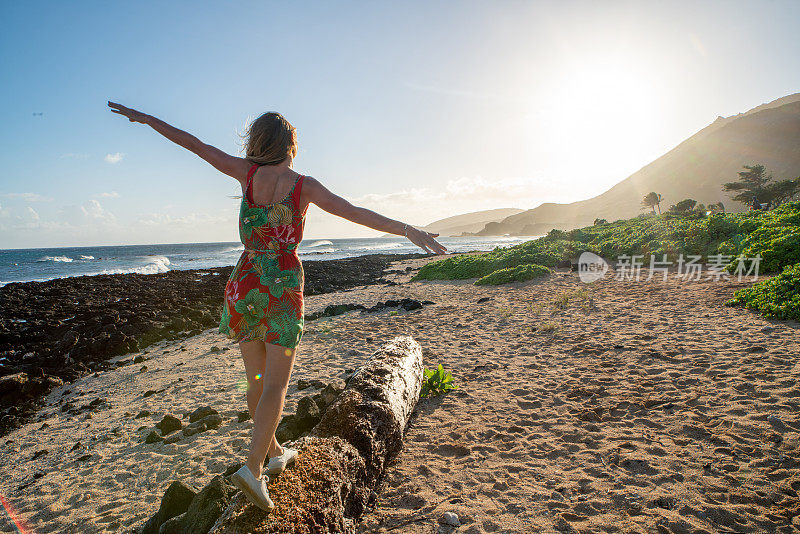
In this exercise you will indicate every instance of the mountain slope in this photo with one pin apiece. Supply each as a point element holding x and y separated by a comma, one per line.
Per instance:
<point>768,134</point>
<point>466,222</point>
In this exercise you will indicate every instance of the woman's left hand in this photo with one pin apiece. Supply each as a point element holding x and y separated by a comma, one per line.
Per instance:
<point>132,114</point>
<point>425,240</point>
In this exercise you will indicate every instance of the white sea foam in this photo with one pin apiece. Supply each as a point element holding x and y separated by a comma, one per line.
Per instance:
<point>157,264</point>
<point>63,259</point>
<point>383,246</point>
<point>86,257</point>
<point>319,243</point>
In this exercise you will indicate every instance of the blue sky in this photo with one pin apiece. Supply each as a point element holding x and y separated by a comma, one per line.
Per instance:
<point>418,110</point>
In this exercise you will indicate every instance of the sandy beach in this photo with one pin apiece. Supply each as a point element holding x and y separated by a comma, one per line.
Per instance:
<point>618,406</point>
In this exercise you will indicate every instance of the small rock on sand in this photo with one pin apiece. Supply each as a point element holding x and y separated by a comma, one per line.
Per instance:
<point>200,413</point>
<point>449,518</point>
<point>169,423</point>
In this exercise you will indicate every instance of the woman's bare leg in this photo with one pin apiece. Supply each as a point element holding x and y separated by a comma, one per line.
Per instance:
<point>277,366</point>
<point>254,355</point>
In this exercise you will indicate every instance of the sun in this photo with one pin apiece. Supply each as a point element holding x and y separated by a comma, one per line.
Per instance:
<point>595,112</point>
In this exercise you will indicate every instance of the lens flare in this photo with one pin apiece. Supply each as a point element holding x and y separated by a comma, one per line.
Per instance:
<point>20,523</point>
<point>258,377</point>
<point>288,352</point>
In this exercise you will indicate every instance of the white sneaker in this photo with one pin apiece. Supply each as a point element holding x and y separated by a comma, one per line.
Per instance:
<point>277,464</point>
<point>254,489</point>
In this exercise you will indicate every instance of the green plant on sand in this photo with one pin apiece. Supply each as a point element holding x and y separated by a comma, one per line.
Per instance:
<point>436,381</point>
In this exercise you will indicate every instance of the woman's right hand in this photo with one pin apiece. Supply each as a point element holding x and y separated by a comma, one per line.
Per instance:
<point>131,114</point>
<point>425,240</point>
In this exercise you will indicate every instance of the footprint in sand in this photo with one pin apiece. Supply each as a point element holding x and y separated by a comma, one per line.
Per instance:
<point>451,449</point>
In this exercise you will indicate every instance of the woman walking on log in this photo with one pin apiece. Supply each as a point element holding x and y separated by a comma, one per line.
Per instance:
<point>263,308</point>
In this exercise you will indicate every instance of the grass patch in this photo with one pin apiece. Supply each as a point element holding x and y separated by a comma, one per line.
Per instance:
<point>520,273</point>
<point>546,327</point>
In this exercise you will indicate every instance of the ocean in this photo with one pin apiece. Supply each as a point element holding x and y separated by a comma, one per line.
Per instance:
<point>39,264</point>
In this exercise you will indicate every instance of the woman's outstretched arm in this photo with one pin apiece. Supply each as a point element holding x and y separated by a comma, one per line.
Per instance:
<point>225,163</point>
<point>322,197</point>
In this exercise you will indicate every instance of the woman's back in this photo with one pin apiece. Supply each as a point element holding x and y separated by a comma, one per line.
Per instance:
<point>271,184</point>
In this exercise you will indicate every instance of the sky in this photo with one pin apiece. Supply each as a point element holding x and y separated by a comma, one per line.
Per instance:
<point>416,110</point>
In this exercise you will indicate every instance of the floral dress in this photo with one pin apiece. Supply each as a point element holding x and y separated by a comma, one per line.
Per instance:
<point>264,293</point>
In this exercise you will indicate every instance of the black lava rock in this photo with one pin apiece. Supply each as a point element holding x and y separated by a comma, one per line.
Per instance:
<point>62,329</point>
<point>204,509</point>
<point>176,501</point>
<point>201,412</point>
<point>169,423</point>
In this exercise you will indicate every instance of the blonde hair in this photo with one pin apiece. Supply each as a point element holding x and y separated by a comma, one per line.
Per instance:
<point>270,139</point>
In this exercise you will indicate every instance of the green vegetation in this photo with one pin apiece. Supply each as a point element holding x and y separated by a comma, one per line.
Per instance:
<point>686,229</point>
<point>773,234</point>
<point>688,207</point>
<point>519,273</point>
<point>777,297</point>
<point>436,382</point>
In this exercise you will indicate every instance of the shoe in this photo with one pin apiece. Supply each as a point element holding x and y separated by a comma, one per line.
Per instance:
<point>277,464</point>
<point>254,489</point>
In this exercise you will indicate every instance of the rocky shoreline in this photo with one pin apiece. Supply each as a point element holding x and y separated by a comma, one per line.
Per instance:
<point>56,331</point>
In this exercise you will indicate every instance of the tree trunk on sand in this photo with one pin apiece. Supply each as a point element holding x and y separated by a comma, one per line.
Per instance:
<point>341,461</point>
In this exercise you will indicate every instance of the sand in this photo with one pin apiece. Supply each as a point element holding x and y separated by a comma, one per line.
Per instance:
<point>618,406</point>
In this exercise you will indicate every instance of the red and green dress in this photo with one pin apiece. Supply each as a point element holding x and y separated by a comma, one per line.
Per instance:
<point>264,293</point>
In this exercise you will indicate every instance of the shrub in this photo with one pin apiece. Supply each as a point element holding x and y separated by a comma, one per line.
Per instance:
<point>456,268</point>
<point>775,236</point>
<point>520,273</point>
<point>436,382</point>
<point>777,297</point>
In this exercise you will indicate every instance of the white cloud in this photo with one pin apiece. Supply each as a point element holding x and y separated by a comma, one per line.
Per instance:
<point>4,212</point>
<point>109,194</point>
<point>89,213</point>
<point>29,220</point>
<point>114,158</point>
<point>28,197</point>
<point>499,192</point>
<point>192,219</point>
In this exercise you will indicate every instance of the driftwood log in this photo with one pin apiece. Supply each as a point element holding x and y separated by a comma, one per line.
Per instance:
<point>344,457</point>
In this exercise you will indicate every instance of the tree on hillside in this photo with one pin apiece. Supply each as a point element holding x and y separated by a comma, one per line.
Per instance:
<point>683,207</point>
<point>783,191</point>
<point>751,186</point>
<point>755,188</point>
<point>651,200</point>
<point>719,207</point>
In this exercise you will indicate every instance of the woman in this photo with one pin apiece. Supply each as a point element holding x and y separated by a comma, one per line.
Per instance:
<point>263,308</point>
